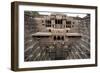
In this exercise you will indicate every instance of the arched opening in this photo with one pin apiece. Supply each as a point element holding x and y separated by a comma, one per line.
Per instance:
<point>49,30</point>
<point>58,38</point>
<point>66,30</point>
<point>62,37</point>
<point>54,38</point>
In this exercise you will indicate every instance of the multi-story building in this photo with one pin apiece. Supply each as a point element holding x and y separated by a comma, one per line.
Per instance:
<point>57,28</point>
